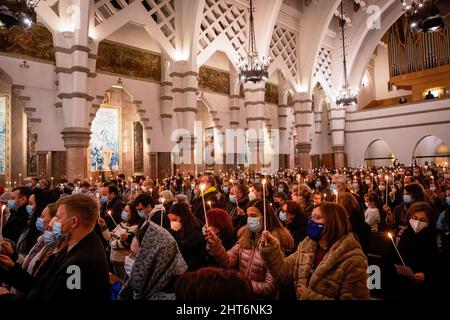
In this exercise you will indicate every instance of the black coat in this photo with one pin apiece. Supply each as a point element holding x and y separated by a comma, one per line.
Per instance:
<point>297,228</point>
<point>197,205</point>
<point>192,248</point>
<point>116,206</point>
<point>51,284</point>
<point>237,220</point>
<point>16,224</point>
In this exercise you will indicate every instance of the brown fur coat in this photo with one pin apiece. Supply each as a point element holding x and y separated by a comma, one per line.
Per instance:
<point>342,274</point>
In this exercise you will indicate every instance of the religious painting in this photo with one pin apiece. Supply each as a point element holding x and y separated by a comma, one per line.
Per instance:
<point>105,141</point>
<point>123,60</point>
<point>2,135</point>
<point>271,95</point>
<point>214,80</point>
<point>209,149</point>
<point>31,153</point>
<point>36,42</point>
<point>138,147</point>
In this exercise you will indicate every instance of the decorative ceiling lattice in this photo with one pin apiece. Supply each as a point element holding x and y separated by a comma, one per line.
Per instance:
<point>222,17</point>
<point>105,9</point>
<point>284,43</point>
<point>323,64</point>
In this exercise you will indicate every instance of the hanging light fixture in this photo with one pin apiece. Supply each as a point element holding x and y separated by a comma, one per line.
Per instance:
<point>252,68</point>
<point>345,97</point>
<point>18,14</point>
<point>423,15</point>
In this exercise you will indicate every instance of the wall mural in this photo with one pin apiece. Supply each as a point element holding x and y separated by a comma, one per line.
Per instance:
<point>105,140</point>
<point>119,59</point>
<point>2,135</point>
<point>271,95</point>
<point>214,80</point>
<point>138,147</point>
<point>36,42</point>
<point>31,153</point>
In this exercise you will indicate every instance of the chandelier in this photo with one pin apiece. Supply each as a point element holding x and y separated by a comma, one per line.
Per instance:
<point>251,68</point>
<point>18,14</point>
<point>423,15</point>
<point>346,96</point>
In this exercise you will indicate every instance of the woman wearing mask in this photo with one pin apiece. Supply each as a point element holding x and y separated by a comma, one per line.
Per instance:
<point>155,266</point>
<point>397,218</point>
<point>328,264</point>
<point>372,213</point>
<point>357,188</point>
<point>295,219</point>
<point>120,238</point>
<point>255,191</point>
<point>188,233</point>
<point>36,204</point>
<point>443,226</point>
<point>245,256</point>
<point>323,187</point>
<point>418,248</point>
<point>304,199</point>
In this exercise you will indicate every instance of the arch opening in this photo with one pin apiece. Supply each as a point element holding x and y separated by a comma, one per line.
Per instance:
<point>379,153</point>
<point>431,149</point>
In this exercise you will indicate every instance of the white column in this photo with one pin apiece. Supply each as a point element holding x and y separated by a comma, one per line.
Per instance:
<point>302,103</point>
<point>337,122</point>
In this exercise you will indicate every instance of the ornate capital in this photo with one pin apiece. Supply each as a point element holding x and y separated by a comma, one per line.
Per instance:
<point>76,137</point>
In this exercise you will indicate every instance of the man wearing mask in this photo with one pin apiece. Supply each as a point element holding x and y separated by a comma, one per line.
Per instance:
<point>111,202</point>
<point>279,198</point>
<point>18,218</point>
<point>255,192</point>
<point>147,210</point>
<point>210,194</point>
<point>79,271</point>
<point>237,206</point>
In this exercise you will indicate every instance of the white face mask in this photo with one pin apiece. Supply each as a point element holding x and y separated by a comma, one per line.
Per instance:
<point>251,196</point>
<point>129,262</point>
<point>175,225</point>
<point>417,225</point>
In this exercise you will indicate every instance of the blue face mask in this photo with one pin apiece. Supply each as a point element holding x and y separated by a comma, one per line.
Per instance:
<point>225,190</point>
<point>57,230</point>
<point>12,204</point>
<point>124,216</point>
<point>333,186</point>
<point>232,198</point>
<point>354,185</point>
<point>407,198</point>
<point>40,224</point>
<point>318,185</point>
<point>254,224</point>
<point>280,189</point>
<point>447,199</point>
<point>103,199</point>
<point>282,216</point>
<point>30,210</point>
<point>48,237</point>
<point>141,214</point>
<point>314,230</point>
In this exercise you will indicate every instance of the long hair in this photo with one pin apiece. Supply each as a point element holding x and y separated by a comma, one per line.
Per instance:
<point>337,223</point>
<point>188,221</point>
<point>248,239</point>
<point>221,220</point>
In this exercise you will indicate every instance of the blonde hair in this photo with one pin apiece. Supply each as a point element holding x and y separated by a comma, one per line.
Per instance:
<point>83,207</point>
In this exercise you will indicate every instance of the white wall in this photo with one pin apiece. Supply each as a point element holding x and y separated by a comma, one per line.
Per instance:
<point>219,60</point>
<point>428,146</point>
<point>134,36</point>
<point>401,128</point>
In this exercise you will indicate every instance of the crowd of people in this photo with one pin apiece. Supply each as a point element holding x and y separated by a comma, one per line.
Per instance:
<point>296,234</point>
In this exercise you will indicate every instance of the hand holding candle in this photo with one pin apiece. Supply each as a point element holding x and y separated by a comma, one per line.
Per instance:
<point>110,214</point>
<point>202,189</point>
<point>1,223</point>
<point>396,249</point>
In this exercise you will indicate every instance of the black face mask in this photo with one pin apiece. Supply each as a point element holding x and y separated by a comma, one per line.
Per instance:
<point>276,205</point>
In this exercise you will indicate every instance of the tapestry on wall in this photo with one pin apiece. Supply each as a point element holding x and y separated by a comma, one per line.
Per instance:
<point>122,60</point>
<point>214,80</point>
<point>36,42</point>
<point>2,135</point>
<point>31,153</point>
<point>209,149</point>
<point>105,140</point>
<point>138,147</point>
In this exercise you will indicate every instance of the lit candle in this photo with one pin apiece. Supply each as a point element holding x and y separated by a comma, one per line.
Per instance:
<point>387,183</point>
<point>1,224</point>
<point>336,193</point>
<point>396,249</point>
<point>20,179</point>
<point>110,214</point>
<point>298,190</point>
<point>52,182</point>
<point>202,188</point>
<point>264,205</point>
<point>209,203</point>
<point>162,211</point>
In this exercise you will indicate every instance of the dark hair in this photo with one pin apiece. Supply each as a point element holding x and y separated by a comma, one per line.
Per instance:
<point>221,220</point>
<point>213,284</point>
<point>425,207</point>
<point>294,208</point>
<point>113,189</point>
<point>141,233</point>
<point>281,195</point>
<point>240,187</point>
<point>188,221</point>
<point>23,192</point>
<point>323,182</point>
<point>145,200</point>
<point>337,223</point>
<point>134,217</point>
<point>416,192</point>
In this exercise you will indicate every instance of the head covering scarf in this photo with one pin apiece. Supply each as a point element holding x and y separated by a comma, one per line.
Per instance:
<point>157,262</point>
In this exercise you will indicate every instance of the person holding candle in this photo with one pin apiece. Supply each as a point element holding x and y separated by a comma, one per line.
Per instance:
<point>372,214</point>
<point>209,193</point>
<point>295,219</point>
<point>121,236</point>
<point>237,206</point>
<point>110,201</point>
<point>328,264</point>
<point>323,186</point>
<point>148,211</point>
<point>244,255</point>
<point>187,231</point>
<point>304,199</point>
<point>19,216</point>
<point>417,247</point>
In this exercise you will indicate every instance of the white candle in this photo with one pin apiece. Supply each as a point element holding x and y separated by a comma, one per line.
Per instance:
<point>209,203</point>
<point>234,188</point>
<point>396,249</point>
<point>1,224</point>
<point>202,188</point>
<point>336,193</point>
<point>162,211</point>
<point>110,214</point>
<point>264,205</point>
<point>387,183</point>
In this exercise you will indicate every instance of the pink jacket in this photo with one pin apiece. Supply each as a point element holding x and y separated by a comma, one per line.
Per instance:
<point>251,265</point>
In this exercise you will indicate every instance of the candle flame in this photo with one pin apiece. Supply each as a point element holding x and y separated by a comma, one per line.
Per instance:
<point>202,187</point>
<point>3,207</point>
<point>390,235</point>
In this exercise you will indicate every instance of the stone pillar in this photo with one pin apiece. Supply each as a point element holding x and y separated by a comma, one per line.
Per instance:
<point>254,103</point>
<point>283,89</point>
<point>76,141</point>
<point>302,104</point>
<point>337,122</point>
<point>42,164</point>
<point>166,97</point>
